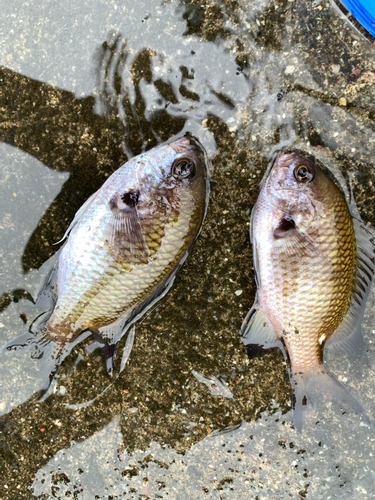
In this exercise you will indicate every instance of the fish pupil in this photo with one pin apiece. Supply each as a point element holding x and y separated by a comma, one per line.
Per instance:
<point>183,168</point>
<point>131,198</point>
<point>303,174</point>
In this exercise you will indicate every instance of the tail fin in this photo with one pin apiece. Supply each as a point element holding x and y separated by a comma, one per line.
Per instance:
<point>42,346</point>
<point>309,388</point>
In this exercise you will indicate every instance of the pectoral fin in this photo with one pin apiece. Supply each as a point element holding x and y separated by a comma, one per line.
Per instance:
<point>290,240</point>
<point>256,329</point>
<point>124,229</point>
<point>127,235</point>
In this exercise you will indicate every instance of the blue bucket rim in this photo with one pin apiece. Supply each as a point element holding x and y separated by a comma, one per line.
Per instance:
<point>362,14</point>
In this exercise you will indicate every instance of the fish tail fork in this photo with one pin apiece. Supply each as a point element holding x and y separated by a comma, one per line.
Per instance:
<point>41,347</point>
<point>310,387</point>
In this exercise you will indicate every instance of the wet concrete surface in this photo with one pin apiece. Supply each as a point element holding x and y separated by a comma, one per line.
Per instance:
<point>84,87</point>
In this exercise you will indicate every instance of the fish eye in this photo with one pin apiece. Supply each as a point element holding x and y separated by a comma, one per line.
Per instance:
<point>183,168</point>
<point>303,173</point>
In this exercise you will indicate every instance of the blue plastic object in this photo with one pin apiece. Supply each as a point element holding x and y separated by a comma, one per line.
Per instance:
<point>364,11</point>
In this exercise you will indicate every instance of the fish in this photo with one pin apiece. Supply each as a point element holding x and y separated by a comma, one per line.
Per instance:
<point>121,254</point>
<point>314,270</point>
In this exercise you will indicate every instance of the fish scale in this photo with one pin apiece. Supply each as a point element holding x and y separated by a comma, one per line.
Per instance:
<point>292,287</point>
<point>138,280</point>
<point>102,301</point>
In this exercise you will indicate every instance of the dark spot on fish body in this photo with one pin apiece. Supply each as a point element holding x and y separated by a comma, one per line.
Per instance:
<point>285,226</point>
<point>131,198</point>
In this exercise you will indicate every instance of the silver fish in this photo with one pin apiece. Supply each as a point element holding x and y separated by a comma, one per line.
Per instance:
<point>123,250</point>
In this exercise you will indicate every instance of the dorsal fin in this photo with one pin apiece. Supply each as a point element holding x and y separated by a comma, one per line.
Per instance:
<point>47,293</point>
<point>348,336</point>
<point>79,214</point>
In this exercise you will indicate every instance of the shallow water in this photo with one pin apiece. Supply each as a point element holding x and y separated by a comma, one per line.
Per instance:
<point>84,87</point>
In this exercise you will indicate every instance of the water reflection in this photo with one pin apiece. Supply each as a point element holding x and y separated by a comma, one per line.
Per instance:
<point>263,75</point>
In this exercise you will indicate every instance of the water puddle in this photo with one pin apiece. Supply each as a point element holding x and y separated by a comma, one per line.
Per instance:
<point>191,415</point>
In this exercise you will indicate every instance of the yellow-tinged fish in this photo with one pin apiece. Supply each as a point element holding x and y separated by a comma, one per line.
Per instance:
<point>314,271</point>
<point>125,245</point>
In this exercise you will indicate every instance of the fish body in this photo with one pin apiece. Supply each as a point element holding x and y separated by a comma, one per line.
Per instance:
<point>123,250</point>
<point>313,275</point>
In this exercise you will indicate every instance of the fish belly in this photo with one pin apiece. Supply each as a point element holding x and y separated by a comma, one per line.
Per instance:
<point>104,287</point>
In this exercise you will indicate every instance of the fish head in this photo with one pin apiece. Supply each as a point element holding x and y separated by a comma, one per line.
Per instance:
<point>162,178</point>
<point>161,192</point>
<point>298,187</point>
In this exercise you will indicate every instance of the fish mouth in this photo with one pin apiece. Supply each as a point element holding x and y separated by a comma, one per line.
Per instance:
<point>290,158</point>
<point>187,144</point>
<point>193,142</point>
